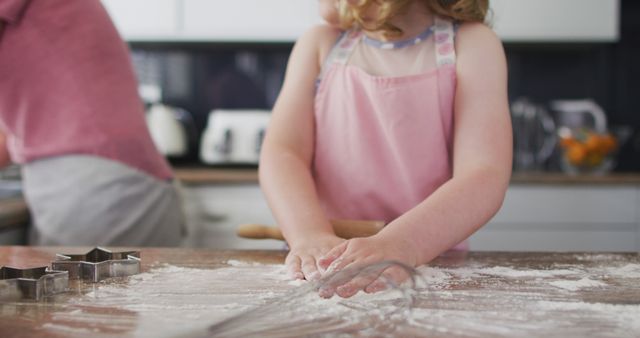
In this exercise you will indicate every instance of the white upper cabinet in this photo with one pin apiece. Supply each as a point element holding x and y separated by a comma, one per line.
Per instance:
<point>145,19</point>
<point>248,20</point>
<point>556,20</point>
<point>286,20</point>
<point>213,20</point>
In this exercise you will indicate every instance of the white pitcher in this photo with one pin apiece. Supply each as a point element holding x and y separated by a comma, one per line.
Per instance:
<point>576,114</point>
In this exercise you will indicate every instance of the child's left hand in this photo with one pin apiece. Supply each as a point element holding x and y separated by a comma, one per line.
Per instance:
<point>358,252</point>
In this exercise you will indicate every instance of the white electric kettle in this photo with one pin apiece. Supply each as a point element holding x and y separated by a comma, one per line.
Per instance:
<point>576,114</point>
<point>534,135</point>
<point>168,133</point>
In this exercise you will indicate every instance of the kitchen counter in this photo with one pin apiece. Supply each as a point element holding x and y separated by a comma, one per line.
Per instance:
<point>195,175</point>
<point>203,175</point>
<point>14,212</point>
<point>563,179</point>
<point>183,291</point>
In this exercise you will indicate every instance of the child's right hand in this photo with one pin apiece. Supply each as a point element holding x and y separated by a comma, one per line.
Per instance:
<point>303,257</point>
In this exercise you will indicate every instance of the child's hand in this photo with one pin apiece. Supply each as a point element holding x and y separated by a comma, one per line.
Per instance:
<point>360,252</point>
<point>302,260</point>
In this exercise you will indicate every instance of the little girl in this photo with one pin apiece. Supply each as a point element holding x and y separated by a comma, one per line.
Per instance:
<point>403,117</point>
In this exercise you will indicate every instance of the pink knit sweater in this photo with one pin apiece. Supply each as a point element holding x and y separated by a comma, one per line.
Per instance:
<point>67,86</point>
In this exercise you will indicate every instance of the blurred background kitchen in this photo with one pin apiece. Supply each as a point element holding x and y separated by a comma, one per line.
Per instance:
<point>210,70</point>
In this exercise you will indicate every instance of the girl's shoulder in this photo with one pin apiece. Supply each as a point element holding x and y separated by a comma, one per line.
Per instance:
<point>320,37</point>
<point>478,49</point>
<point>322,32</point>
<point>476,33</point>
<point>475,38</point>
<point>475,30</point>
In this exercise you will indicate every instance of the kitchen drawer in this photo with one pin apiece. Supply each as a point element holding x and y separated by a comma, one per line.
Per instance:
<point>534,217</point>
<point>620,238</point>
<point>215,211</point>
<point>569,204</point>
<point>564,218</point>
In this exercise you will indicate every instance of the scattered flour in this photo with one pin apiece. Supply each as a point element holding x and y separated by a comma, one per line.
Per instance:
<point>627,271</point>
<point>502,271</point>
<point>236,263</point>
<point>68,329</point>
<point>626,314</point>
<point>596,257</point>
<point>297,282</point>
<point>172,301</point>
<point>573,285</point>
<point>442,276</point>
<point>509,272</point>
<point>167,299</point>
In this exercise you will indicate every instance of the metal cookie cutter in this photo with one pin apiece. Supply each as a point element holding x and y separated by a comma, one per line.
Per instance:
<point>32,283</point>
<point>99,264</point>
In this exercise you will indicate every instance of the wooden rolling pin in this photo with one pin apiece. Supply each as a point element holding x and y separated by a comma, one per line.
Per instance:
<point>343,228</point>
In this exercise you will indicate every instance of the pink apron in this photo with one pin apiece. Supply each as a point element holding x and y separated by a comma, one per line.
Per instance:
<point>383,144</point>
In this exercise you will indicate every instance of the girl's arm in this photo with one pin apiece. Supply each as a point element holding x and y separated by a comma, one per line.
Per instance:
<point>287,152</point>
<point>482,151</point>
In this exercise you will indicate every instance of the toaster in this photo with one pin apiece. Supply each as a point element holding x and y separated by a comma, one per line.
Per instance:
<point>234,136</point>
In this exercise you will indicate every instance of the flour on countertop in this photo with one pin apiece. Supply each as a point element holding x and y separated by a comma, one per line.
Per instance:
<point>502,271</point>
<point>170,300</point>
<point>627,271</point>
<point>235,262</point>
<point>574,285</point>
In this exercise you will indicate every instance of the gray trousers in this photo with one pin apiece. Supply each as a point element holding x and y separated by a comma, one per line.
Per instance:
<point>89,201</point>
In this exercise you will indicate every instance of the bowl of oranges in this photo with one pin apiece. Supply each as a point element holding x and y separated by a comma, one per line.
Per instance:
<point>586,151</point>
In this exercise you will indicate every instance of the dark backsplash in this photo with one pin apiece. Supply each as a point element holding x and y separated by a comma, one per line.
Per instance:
<point>201,77</point>
<point>204,76</point>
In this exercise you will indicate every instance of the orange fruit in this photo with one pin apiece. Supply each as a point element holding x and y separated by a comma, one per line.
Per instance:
<point>608,144</point>
<point>593,142</point>
<point>566,142</point>
<point>576,154</point>
<point>594,159</point>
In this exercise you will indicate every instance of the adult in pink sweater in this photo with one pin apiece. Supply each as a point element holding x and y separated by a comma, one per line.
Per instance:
<point>71,115</point>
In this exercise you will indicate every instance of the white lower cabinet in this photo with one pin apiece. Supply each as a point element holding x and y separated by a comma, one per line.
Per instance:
<point>564,218</point>
<point>534,217</point>
<point>215,211</point>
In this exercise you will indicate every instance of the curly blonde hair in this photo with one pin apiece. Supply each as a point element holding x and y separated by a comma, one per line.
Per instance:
<point>352,12</point>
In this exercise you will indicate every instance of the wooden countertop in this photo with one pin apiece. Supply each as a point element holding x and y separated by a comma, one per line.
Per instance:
<point>563,179</point>
<point>215,176</point>
<point>476,294</point>
<point>194,176</point>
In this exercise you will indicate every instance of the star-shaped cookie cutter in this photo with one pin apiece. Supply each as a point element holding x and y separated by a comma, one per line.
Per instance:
<point>31,283</point>
<point>98,264</point>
